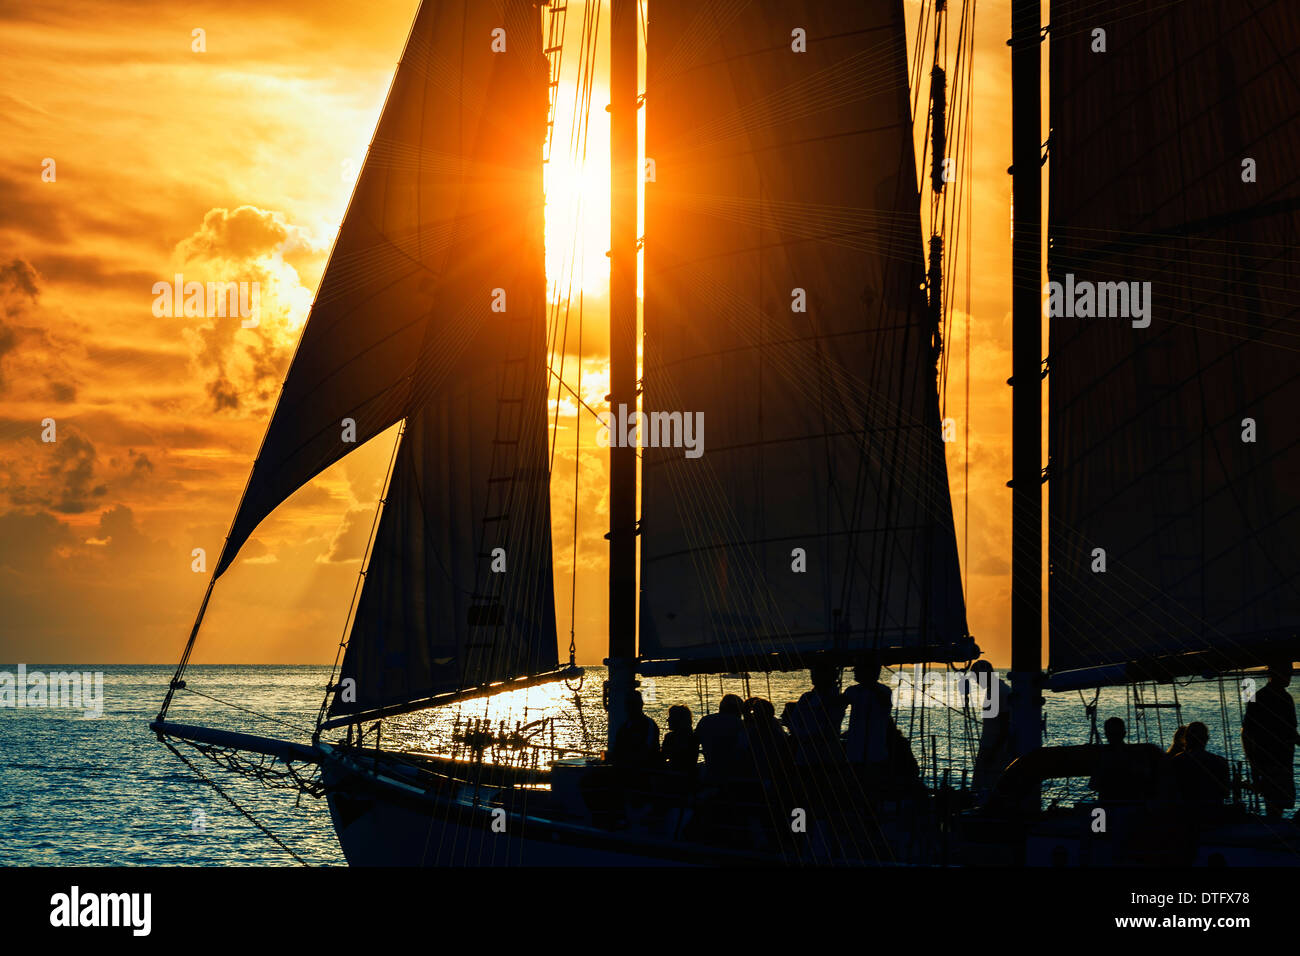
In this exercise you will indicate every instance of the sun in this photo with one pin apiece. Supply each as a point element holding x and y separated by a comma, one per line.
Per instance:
<point>577,204</point>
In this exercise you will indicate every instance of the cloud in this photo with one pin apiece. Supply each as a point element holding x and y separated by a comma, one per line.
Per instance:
<point>19,278</point>
<point>60,475</point>
<point>244,366</point>
<point>350,540</point>
<point>28,540</point>
<point>29,351</point>
<point>244,233</point>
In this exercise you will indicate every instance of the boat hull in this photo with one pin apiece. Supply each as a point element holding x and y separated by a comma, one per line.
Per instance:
<point>385,814</point>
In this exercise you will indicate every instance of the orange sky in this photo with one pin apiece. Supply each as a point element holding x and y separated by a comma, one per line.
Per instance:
<point>237,163</point>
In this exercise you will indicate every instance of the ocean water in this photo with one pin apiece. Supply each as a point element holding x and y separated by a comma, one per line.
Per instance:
<point>78,791</point>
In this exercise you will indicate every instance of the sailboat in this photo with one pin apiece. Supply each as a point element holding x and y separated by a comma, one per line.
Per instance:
<point>788,300</point>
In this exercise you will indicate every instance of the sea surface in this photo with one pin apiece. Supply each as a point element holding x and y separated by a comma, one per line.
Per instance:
<point>88,791</point>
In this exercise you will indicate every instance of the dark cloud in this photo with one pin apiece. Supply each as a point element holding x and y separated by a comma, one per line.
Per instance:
<point>93,271</point>
<point>28,350</point>
<point>59,476</point>
<point>8,341</point>
<point>19,277</point>
<point>25,210</point>
<point>29,539</point>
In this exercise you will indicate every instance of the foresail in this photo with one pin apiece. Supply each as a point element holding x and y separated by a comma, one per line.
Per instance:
<point>355,372</point>
<point>783,306</point>
<point>458,591</point>
<point>1174,442</point>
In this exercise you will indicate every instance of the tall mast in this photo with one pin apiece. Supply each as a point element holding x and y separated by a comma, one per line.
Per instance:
<point>1026,363</point>
<point>622,356</point>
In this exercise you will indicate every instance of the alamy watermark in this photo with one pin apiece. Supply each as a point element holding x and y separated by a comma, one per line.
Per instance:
<point>198,300</point>
<point>78,690</point>
<point>74,908</point>
<point>652,430</point>
<point>947,688</point>
<point>1083,299</point>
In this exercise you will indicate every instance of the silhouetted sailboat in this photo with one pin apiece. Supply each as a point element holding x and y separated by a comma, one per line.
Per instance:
<point>785,169</point>
<point>785,298</point>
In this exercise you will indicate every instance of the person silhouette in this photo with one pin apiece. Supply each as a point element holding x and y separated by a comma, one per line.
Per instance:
<point>817,716</point>
<point>1180,741</point>
<point>637,742</point>
<point>1268,736</point>
<point>1119,775</point>
<point>1201,776</point>
<point>720,738</point>
<point>681,746</point>
<point>871,707</point>
<point>995,748</point>
<point>764,739</point>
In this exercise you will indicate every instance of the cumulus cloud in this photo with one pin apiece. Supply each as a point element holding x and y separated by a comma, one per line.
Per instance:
<point>244,366</point>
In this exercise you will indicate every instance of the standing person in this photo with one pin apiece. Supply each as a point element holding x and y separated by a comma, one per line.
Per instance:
<point>1268,735</point>
<point>871,706</point>
<point>995,749</point>
<point>817,716</point>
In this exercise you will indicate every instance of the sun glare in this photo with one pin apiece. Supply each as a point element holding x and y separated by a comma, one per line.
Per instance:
<point>577,178</point>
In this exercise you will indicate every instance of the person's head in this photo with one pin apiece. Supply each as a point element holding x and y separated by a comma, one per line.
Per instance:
<point>731,704</point>
<point>635,703</point>
<point>760,710</point>
<point>679,718</point>
<point>1180,736</point>
<point>867,669</point>
<point>824,676</point>
<point>1115,730</point>
<point>1198,735</point>
<point>1279,673</point>
<point>982,672</point>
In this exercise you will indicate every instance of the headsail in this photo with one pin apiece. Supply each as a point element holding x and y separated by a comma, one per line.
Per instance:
<point>458,592</point>
<point>784,302</point>
<point>407,223</point>
<point>1175,447</point>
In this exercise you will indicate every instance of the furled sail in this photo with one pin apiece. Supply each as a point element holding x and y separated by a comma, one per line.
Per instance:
<point>404,229</point>
<point>784,306</point>
<point>1174,441</point>
<point>458,592</point>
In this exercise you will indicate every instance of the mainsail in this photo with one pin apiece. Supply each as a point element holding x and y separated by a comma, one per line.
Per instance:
<point>784,301</point>
<point>1174,445</point>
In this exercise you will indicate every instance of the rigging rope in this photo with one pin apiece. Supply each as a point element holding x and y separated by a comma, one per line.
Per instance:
<point>230,800</point>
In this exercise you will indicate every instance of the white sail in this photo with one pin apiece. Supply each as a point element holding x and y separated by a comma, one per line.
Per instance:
<point>784,304</point>
<point>1174,444</point>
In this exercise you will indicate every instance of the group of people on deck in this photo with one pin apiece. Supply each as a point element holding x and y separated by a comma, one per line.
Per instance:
<point>1187,772</point>
<point>745,739</point>
<point>1194,776</point>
